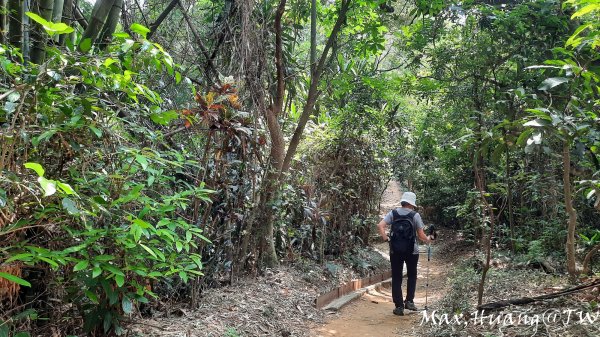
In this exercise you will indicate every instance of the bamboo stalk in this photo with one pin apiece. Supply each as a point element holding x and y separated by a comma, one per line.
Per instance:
<point>39,37</point>
<point>100,13</point>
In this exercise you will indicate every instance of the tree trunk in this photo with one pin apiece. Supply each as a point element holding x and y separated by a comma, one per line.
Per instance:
<point>313,92</point>
<point>3,21</point>
<point>277,154</point>
<point>68,18</point>
<point>111,24</point>
<point>281,160</point>
<point>39,37</point>
<point>57,14</point>
<point>487,241</point>
<point>99,15</point>
<point>509,194</point>
<point>568,195</point>
<point>16,10</point>
<point>313,36</point>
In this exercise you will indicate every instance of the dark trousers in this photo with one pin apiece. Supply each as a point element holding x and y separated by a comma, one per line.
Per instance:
<point>397,260</point>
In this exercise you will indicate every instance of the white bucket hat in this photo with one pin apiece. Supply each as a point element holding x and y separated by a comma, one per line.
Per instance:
<point>410,198</point>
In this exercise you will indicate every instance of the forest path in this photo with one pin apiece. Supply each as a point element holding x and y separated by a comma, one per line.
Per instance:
<point>371,314</point>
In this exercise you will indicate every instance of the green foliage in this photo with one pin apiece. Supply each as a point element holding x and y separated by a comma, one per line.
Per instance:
<point>51,28</point>
<point>117,226</point>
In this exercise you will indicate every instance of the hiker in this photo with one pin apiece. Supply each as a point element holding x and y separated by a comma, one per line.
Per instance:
<point>406,224</point>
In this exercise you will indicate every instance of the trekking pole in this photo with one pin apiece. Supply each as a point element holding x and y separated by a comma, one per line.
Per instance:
<point>427,277</point>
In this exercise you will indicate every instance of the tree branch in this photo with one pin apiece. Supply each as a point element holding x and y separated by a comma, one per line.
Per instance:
<point>161,18</point>
<point>203,49</point>
<point>313,91</point>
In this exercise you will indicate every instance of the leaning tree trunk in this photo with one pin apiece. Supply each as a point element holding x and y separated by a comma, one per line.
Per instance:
<point>68,13</point>
<point>568,195</point>
<point>99,15</point>
<point>111,24</point>
<point>16,10</point>
<point>39,38</point>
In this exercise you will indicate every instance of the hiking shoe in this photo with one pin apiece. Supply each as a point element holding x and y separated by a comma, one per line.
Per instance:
<point>410,306</point>
<point>399,311</point>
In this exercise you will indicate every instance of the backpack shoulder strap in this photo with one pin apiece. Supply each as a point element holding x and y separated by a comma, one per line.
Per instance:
<point>411,216</point>
<point>395,214</point>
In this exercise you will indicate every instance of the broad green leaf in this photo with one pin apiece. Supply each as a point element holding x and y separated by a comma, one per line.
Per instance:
<point>178,246</point>
<point>96,271</point>
<point>140,29</point>
<point>148,250</point>
<point>184,277</point>
<point>113,269</point>
<point>104,258</point>
<point>65,188</point>
<point>85,45</point>
<point>15,279</point>
<point>119,280</point>
<point>91,296</point>
<point>585,10</point>
<point>537,123</point>
<point>36,167</point>
<point>22,334</point>
<point>142,160</point>
<point>70,206</point>
<point>122,35</point>
<point>25,257</point>
<point>109,61</point>
<point>127,305</point>
<point>552,82</point>
<point>81,265</point>
<point>38,19</point>
<point>96,131</point>
<point>48,186</point>
<point>48,261</point>
<point>164,118</point>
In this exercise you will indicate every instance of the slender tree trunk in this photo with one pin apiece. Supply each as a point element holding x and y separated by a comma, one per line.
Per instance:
<point>509,193</point>
<point>78,15</point>
<point>4,21</point>
<point>277,154</point>
<point>57,14</point>
<point>99,15</point>
<point>313,36</point>
<point>487,241</point>
<point>16,10</point>
<point>111,24</point>
<point>281,160</point>
<point>67,17</point>
<point>568,195</point>
<point>313,91</point>
<point>39,38</point>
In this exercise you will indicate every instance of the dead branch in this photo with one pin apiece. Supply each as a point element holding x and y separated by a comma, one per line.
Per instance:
<point>527,300</point>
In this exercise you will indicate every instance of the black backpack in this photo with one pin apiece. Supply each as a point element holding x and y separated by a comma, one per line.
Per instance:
<point>403,234</point>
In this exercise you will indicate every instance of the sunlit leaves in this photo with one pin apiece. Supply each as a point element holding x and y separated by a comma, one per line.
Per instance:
<point>140,29</point>
<point>50,27</point>
<point>552,82</point>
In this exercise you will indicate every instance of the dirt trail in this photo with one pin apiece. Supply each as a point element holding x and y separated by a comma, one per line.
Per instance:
<point>371,315</point>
